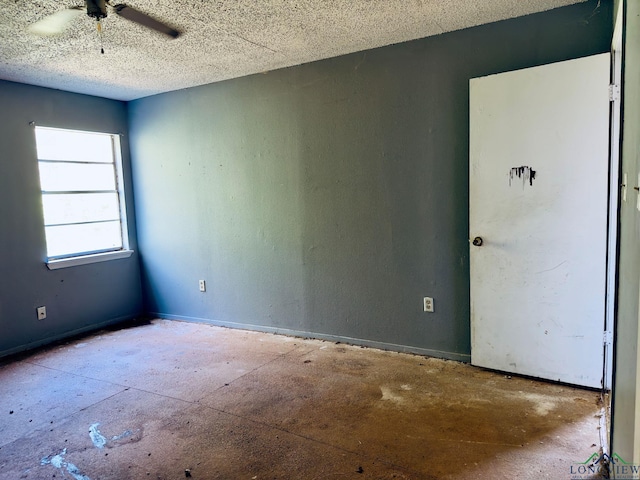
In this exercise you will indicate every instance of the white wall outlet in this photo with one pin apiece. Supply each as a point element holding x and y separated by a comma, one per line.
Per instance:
<point>42,313</point>
<point>203,286</point>
<point>428,304</point>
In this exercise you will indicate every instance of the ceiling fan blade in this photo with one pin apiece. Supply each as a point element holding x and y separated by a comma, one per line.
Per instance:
<point>145,20</point>
<point>55,23</point>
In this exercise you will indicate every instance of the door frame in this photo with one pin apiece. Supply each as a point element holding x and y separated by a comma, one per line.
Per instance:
<point>615,193</point>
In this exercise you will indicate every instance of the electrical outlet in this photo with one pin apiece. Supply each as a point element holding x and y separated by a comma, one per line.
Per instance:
<point>42,313</point>
<point>428,304</point>
<point>203,286</point>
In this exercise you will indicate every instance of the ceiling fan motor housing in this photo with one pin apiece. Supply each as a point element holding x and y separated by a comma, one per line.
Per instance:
<point>96,9</point>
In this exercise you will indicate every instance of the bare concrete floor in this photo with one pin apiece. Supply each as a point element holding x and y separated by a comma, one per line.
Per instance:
<point>171,400</point>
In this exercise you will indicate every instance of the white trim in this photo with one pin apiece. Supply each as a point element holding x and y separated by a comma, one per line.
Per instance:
<point>87,259</point>
<point>117,161</point>
<point>615,197</point>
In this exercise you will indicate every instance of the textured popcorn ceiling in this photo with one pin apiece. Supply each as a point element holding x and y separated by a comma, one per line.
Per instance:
<point>221,39</point>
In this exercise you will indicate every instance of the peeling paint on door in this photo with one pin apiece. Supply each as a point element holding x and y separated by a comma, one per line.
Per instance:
<point>527,174</point>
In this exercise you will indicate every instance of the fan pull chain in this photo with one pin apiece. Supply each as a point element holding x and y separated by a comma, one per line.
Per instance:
<point>100,36</point>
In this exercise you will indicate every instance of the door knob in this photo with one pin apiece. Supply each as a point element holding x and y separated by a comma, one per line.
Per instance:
<point>477,241</point>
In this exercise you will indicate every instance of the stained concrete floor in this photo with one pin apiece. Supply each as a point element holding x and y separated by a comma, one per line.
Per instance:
<point>170,399</point>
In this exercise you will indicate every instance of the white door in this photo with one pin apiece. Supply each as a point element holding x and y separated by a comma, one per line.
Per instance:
<point>538,200</point>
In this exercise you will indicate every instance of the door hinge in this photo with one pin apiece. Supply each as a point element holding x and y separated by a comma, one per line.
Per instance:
<point>614,92</point>
<point>608,338</point>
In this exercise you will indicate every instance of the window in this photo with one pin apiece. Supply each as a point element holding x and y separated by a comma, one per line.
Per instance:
<point>82,196</point>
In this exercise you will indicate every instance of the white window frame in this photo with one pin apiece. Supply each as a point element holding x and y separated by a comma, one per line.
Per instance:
<point>54,263</point>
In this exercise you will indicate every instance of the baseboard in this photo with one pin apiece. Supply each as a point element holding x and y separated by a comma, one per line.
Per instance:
<point>62,336</point>
<point>460,357</point>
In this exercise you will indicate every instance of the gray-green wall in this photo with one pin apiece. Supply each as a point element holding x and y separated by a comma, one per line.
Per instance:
<point>79,298</point>
<point>329,198</point>
<point>626,402</point>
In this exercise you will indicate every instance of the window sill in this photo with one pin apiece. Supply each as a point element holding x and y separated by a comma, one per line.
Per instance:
<point>87,259</point>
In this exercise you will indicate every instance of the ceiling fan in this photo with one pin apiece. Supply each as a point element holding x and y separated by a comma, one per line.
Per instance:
<point>59,21</point>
